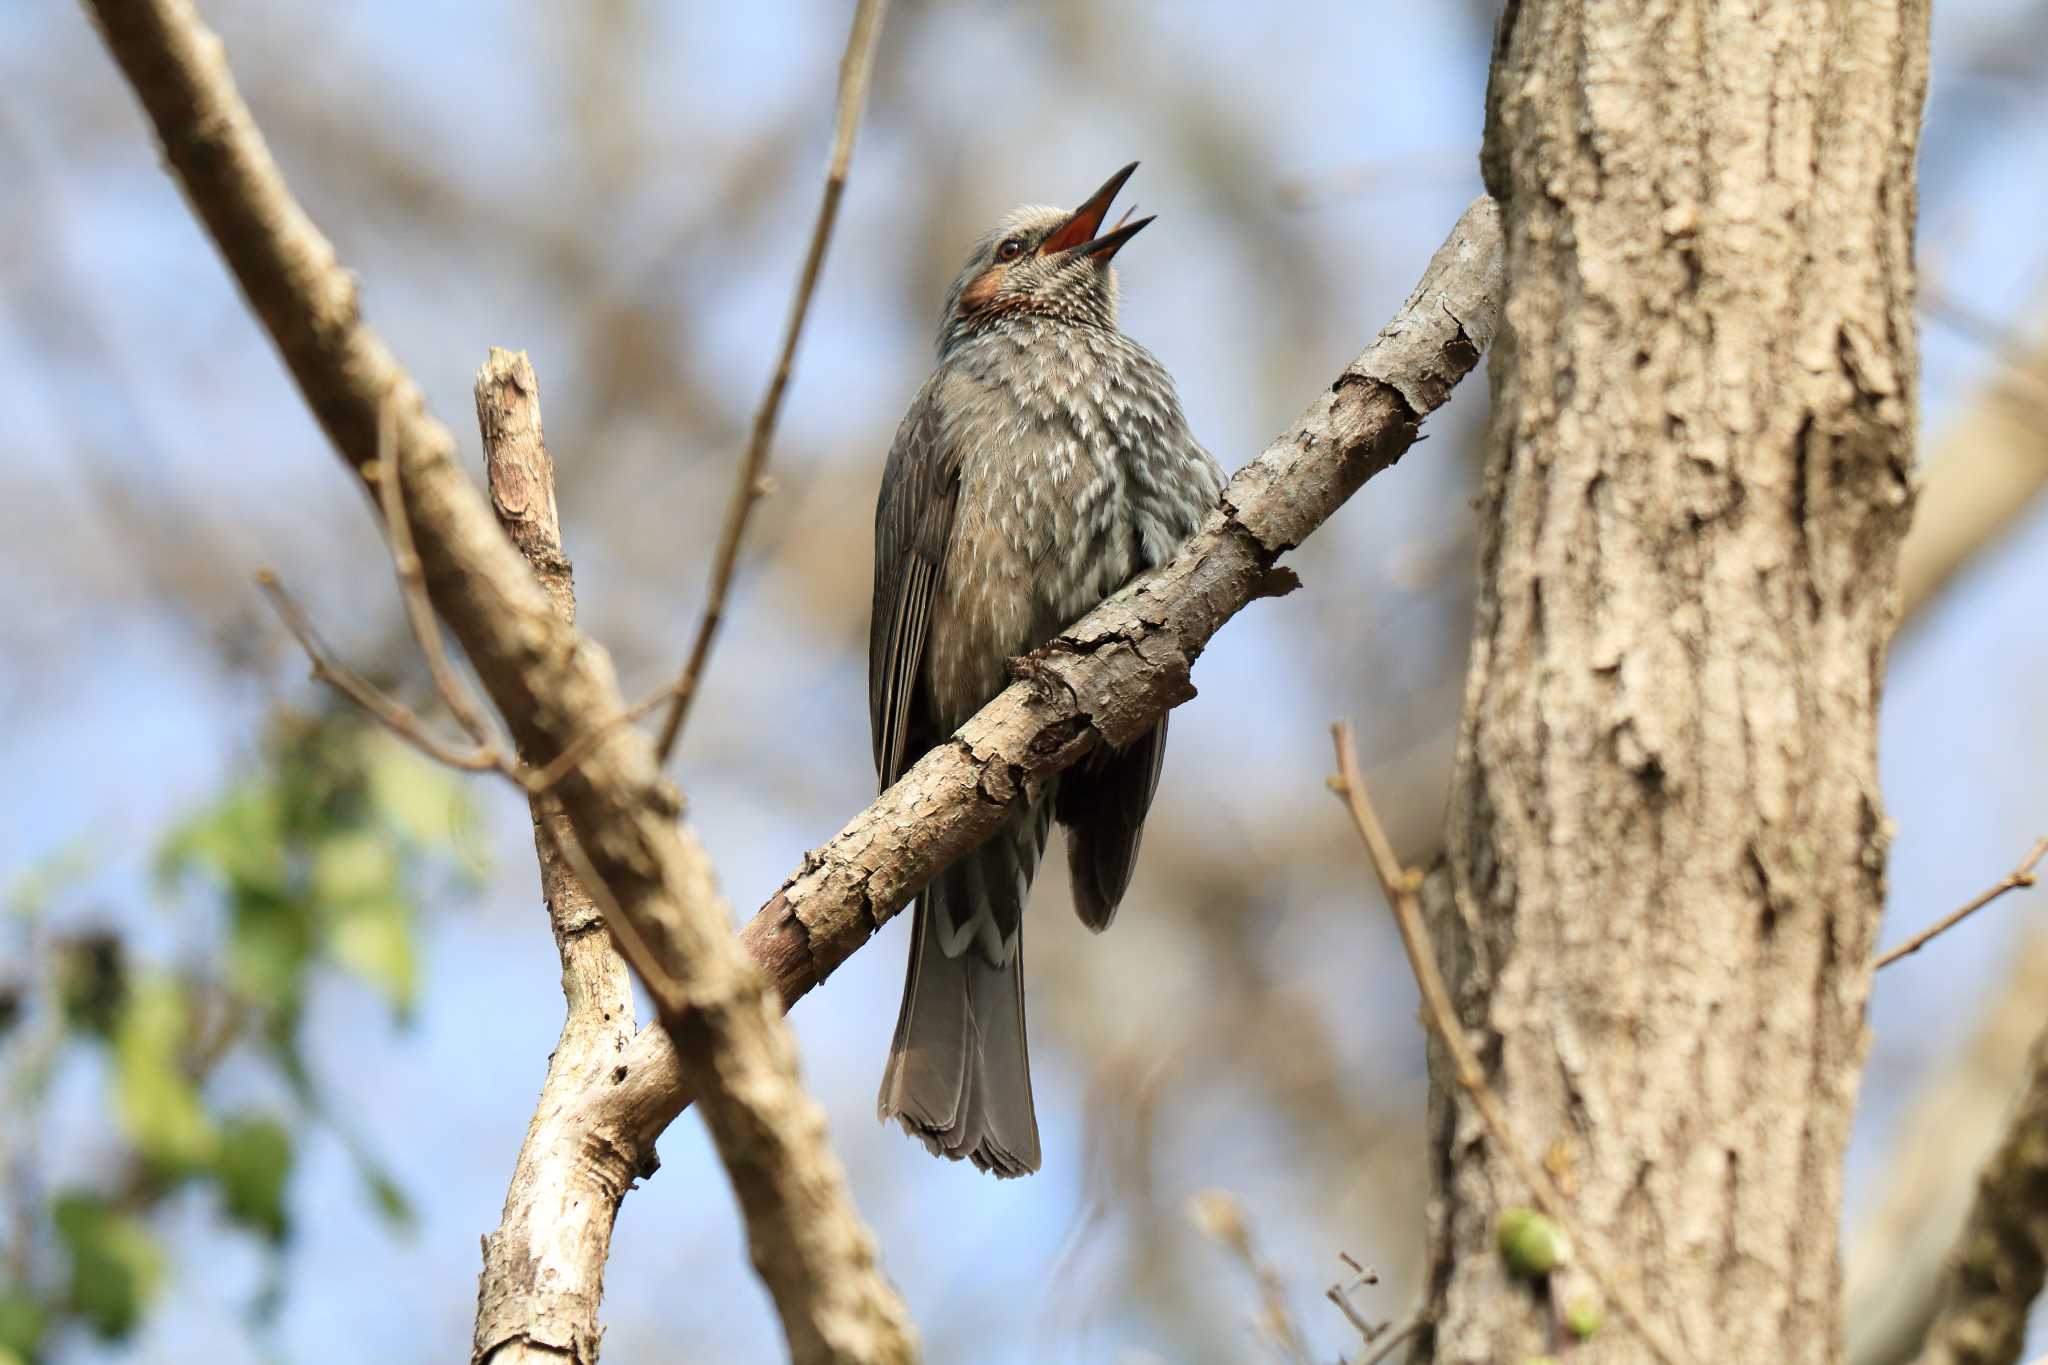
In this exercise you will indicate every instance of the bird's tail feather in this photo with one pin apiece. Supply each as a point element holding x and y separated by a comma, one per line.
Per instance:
<point>959,1073</point>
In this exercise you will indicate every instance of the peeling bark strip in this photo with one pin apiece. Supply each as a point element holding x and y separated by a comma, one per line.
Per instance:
<point>1666,852</point>
<point>551,686</point>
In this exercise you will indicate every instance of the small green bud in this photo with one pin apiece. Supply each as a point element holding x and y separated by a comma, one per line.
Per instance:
<point>1582,1316</point>
<point>1532,1245</point>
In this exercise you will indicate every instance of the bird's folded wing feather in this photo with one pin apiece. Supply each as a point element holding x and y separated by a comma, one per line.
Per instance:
<point>913,523</point>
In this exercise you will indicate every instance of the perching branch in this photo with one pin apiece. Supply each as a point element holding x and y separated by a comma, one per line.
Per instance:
<point>1403,887</point>
<point>1113,673</point>
<point>1996,1269</point>
<point>2021,876</point>
<point>550,686</point>
<point>543,1273</point>
<point>1106,678</point>
<point>748,487</point>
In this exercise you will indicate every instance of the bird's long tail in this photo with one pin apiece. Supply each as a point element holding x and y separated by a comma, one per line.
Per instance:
<point>959,1073</point>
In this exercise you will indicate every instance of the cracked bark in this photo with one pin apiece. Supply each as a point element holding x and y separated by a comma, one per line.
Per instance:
<point>1665,850</point>
<point>543,1275</point>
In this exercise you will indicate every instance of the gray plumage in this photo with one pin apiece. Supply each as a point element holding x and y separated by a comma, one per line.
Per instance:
<point>1043,465</point>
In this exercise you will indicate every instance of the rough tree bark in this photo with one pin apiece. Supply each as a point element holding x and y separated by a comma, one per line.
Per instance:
<point>537,1298</point>
<point>1665,852</point>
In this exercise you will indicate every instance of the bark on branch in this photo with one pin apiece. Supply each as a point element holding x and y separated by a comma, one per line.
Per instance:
<point>1995,1272</point>
<point>551,686</point>
<point>1116,670</point>
<point>544,1267</point>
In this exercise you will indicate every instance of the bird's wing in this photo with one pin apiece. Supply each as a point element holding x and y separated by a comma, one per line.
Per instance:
<point>913,523</point>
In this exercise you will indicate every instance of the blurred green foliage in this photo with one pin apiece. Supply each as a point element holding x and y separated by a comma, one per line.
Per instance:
<point>315,861</point>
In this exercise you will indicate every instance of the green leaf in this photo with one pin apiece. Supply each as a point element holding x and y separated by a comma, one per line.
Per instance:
<point>116,1266</point>
<point>270,946</point>
<point>353,865</point>
<point>252,1166</point>
<point>385,1194</point>
<point>159,1108</point>
<point>239,841</point>
<point>374,939</point>
<point>22,1323</point>
<point>415,798</point>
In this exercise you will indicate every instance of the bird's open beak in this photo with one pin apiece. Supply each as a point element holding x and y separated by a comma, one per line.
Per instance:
<point>1083,232</point>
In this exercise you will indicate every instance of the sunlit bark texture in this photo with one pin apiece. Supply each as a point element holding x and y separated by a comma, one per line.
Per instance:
<point>1666,849</point>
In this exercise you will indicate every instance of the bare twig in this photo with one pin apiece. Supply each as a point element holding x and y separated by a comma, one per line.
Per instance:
<point>586,744</point>
<point>807,1241</point>
<point>1402,886</point>
<point>1340,1295</point>
<point>391,713</point>
<point>1395,1335</point>
<point>748,485</point>
<point>1221,1217</point>
<point>2020,876</point>
<point>412,585</point>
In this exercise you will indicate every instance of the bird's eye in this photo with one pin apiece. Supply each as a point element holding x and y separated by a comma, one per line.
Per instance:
<point>1011,249</point>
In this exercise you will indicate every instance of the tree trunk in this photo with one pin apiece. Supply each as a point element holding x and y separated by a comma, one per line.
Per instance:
<point>1666,850</point>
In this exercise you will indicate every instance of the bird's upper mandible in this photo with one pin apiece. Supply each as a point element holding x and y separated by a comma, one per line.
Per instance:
<point>1042,262</point>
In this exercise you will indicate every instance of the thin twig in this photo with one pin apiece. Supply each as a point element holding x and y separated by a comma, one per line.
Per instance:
<point>1219,1215</point>
<point>1402,885</point>
<point>1391,1337</point>
<point>564,763</point>
<point>387,711</point>
<point>748,486</point>
<point>1340,1294</point>
<point>2023,875</point>
<point>412,584</point>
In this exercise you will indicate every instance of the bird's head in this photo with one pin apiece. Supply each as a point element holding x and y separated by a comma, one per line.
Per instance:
<point>1043,262</point>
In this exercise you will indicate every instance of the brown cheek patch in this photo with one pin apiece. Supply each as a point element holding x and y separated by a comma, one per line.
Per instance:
<point>983,288</point>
